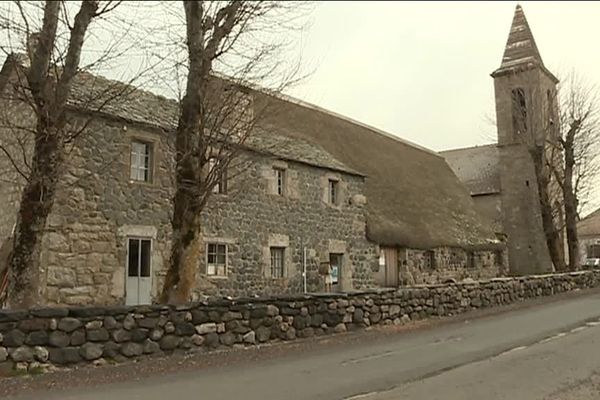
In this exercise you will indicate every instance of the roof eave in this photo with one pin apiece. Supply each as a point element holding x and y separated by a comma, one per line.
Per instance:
<point>513,69</point>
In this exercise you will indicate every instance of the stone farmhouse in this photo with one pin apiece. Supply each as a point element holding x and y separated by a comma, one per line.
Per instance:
<point>588,230</point>
<point>319,188</point>
<point>500,177</point>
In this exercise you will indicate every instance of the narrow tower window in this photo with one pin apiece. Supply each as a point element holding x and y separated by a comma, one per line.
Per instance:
<point>519,112</point>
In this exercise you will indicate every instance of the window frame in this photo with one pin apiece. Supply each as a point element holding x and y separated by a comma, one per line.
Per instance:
<point>431,260</point>
<point>333,191</point>
<point>216,264</point>
<point>519,111</point>
<point>135,166</point>
<point>592,250</point>
<point>280,180</point>
<point>340,263</point>
<point>139,240</point>
<point>221,186</point>
<point>498,258</point>
<point>274,250</point>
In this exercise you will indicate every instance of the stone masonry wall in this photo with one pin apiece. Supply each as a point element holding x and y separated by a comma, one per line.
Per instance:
<point>444,263</point>
<point>251,217</point>
<point>97,208</point>
<point>34,338</point>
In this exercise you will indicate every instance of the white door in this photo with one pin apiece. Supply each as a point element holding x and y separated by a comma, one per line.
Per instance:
<point>139,277</point>
<point>335,262</point>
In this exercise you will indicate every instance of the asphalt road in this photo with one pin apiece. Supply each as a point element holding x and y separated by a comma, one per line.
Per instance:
<point>548,351</point>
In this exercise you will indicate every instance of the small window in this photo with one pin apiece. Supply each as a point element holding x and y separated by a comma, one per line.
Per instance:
<point>498,258</point>
<point>430,259</point>
<point>139,256</point>
<point>519,111</point>
<point>141,161</point>
<point>335,261</point>
<point>593,251</point>
<point>216,259</point>
<point>471,260</point>
<point>280,180</point>
<point>213,168</point>
<point>333,191</point>
<point>550,100</point>
<point>277,262</point>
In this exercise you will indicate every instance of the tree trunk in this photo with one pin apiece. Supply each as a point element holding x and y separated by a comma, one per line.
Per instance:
<point>550,231</point>
<point>188,153</point>
<point>570,204</point>
<point>49,94</point>
<point>36,202</point>
<point>204,39</point>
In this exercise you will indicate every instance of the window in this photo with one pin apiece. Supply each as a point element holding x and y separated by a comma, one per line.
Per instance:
<point>141,154</point>
<point>550,100</point>
<point>280,180</point>
<point>138,257</point>
<point>277,262</point>
<point>216,259</point>
<point>471,260</point>
<point>214,169</point>
<point>593,251</point>
<point>519,111</point>
<point>498,258</point>
<point>333,191</point>
<point>430,259</point>
<point>335,261</point>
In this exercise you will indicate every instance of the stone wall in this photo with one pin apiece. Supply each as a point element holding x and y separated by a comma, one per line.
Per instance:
<point>252,217</point>
<point>98,207</point>
<point>30,339</point>
<point>450,264</point>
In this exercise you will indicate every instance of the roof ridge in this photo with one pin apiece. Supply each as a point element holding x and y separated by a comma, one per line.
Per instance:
<point>477,146</point>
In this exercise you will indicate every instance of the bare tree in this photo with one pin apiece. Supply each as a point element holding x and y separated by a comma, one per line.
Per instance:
<point>578,144</point>
<point>37,146</point>
<point>561,131</point>
<point>229,47</point>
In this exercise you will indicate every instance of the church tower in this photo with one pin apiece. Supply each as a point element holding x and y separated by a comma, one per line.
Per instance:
<point>524,90</point>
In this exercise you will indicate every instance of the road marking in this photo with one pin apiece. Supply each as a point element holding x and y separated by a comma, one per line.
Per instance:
<point>360,396</point>
<point>592,323</point>
<point>512,350</point>
<point>578,329</point>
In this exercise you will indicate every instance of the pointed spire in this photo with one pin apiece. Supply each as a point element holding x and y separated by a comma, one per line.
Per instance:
<point>520,46</point>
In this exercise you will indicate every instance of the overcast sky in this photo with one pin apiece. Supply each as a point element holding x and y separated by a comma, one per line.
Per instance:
<point>421,70</point>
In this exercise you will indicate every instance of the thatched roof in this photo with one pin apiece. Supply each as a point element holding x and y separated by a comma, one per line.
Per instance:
<point>478,168</point>
<point>590,225</point>
<point>413,197</point>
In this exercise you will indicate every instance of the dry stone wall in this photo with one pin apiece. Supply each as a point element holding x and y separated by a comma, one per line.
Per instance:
<point>65,336</point>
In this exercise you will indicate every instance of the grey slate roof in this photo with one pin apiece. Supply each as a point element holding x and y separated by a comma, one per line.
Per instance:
<point>590,225</point>
<point>270,140</point>
<point>521,50</point>
<point>476,167</point>
<point>97,93</point>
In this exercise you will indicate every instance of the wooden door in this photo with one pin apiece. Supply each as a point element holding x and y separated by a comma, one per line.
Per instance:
<point>390,255</point>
